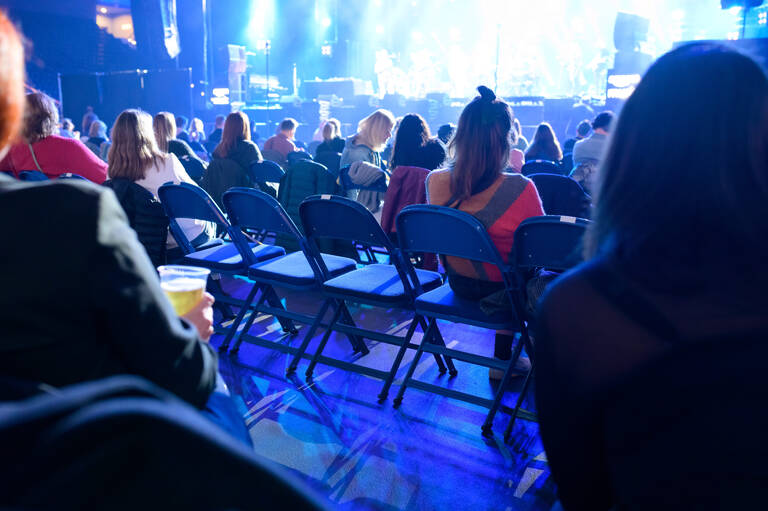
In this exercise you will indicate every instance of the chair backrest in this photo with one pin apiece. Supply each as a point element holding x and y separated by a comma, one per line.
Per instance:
<point>295,156</point>
<point>332,161</point>
<point>32,175</point>
<point>70,175</point>
<point>562,195</point>
<point>275,156</point>
<point>540,166</point>
<point>719,451</point>
<point>552,242</point>
<point>267,171</point>
<point>189,201</point>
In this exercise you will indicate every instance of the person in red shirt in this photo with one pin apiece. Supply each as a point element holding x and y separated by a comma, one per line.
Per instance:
<point>283,141</point>
<point>39,149</point>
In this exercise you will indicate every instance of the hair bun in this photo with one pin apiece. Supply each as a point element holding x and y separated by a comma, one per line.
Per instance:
<point>486,93</point>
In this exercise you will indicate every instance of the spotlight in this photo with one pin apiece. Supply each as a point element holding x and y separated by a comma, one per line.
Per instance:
<point>326,50</point>
<point>326,22</point>
<point>762,18</point>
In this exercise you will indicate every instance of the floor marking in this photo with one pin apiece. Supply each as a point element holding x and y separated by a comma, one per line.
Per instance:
<point>529,477</point>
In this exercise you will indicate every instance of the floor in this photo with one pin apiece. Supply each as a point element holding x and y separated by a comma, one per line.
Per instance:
<point>332,432</point>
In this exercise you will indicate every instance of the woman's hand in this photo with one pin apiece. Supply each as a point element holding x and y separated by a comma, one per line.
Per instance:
<point>202,317</point>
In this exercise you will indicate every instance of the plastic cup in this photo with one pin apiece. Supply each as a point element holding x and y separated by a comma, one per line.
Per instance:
<point>183,285</point>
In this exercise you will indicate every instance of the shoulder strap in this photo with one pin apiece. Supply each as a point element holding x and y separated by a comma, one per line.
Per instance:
<point>34,157</point>
<point>613,286</point>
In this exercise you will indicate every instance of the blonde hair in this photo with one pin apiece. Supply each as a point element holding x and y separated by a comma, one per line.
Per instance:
<point>133,148</point>
<point>164,126</point>
<point>374,130</point>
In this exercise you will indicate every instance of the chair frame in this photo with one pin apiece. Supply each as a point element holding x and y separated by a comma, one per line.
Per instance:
<point>486,252</point>
<point>286,226</point>
<point>411,286</point>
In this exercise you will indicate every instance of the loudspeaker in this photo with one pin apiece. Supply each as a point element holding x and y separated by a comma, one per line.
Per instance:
<point>629,31</point>
<point>748,4</point>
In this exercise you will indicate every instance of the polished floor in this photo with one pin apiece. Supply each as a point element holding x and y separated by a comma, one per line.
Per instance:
<point>427,454</point>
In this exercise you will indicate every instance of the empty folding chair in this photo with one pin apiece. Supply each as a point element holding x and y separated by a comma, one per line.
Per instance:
<point>447,231</point>
<point>224,258</point>
<point>250,209</point>
<point>332,161</point>
<point>32,175</point>
<point>387,286</point>
<point>552,243</point>
<point>562,195</point>
<point>540,167</point>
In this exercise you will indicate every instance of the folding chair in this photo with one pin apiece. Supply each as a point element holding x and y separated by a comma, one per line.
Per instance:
<point>251,209</point>
<point>267,171</point>
<point>32,175</point>
<point>540,167</point>
<point>447,231</point>
<point>548,242</point>
<point>387,286</point>
<point>223,258</point>
<point>295,156</point>
<point>562,195</point>
<point>346,186</point>
<point>332,161</point>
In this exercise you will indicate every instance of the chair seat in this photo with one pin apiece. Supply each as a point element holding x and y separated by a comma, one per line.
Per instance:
<point>443,303</point>
<point>377,284</point>
<point>225,257</point>
<point>294,269</point>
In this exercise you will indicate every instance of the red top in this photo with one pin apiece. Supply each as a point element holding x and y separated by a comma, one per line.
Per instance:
<point>56,155</point>
<point>280,143</point>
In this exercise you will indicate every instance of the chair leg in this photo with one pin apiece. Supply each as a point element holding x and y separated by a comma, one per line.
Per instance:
<point>358,343</point>
<point>323,342</point>
<point>225,309</point>
<point>274,301</point>
<point>308,337</point>
<point>488,424</point>
<point>448,360</point>
<point>440,365</point>
<point>520,398</point>
<point>409,375</point>
<point>398,359</point>
<point>249,323</point>
<point>240,315</point>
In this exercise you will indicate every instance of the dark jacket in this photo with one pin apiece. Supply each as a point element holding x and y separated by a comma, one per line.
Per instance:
<point>302,179</point>
<point>83,302</point>
<point>193,165</point>
<point>334,145</point>
<point>223,174</point>
<point>146,216</point>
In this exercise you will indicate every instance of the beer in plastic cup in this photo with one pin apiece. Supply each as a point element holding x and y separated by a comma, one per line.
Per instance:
<point>183,285</point>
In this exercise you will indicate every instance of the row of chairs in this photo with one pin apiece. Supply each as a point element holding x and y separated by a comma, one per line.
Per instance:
<point>36,175</point>
<point>550,242</point>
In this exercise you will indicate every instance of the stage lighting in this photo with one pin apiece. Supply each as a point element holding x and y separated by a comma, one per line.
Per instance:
<point>762,18</point>
<point>326,22</point>
<point>326,50</point>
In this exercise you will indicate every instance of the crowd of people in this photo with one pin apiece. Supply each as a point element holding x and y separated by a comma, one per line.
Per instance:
<point>673,203</point>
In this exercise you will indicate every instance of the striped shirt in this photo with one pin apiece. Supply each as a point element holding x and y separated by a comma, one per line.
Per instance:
<point>500,208</point>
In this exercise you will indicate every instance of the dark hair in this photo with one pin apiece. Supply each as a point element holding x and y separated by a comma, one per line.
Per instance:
<point>678,202</point>
<point>603,120</point>
<point>236,127</point>
<point>481,143</point>
<point>41,117</point>
<point>288,124</point>
<point>544,145</point>
<point>582,129</point>
<point>412,136</point>
<point>181,121</point>
<point>445,132</point>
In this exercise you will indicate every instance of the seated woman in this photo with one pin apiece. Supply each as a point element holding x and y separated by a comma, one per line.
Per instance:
<point>134,155</point>
<point>53,155</point>
<point>544,145</point>
<point>679,248</point>
<point>164,126</point>
<point>475,182</point>
<point>97,139</point>
<point>197,138</point>
<point>371,137</point>
<point>332,141</point>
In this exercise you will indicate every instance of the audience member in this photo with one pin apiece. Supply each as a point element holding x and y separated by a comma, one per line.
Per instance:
<point>164,127</point>
<point>53,155</point>
<point>197,138</point>
<point>582,130</point>
<point>544,145</point>
<point>678,248</point>
<point>282,142</point>
<point>332,141</point>
<point>445,132</point>
<point>476,183</point>
<point>522,142</point>
<point>135,155</point>
<point>97,139</point>
<point>85,125</point>
<point>414,147</point>
<point>67,129</point>
<point>588,153</point>
<point>99,310</point>
<point>181,128</point>
<point>371,137</point>
<point>215,137</point>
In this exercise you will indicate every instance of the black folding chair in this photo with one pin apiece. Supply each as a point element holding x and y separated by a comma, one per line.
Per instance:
<point>562,195</point>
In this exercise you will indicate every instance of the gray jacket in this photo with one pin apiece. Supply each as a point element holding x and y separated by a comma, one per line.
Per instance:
<point>591,148</point>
